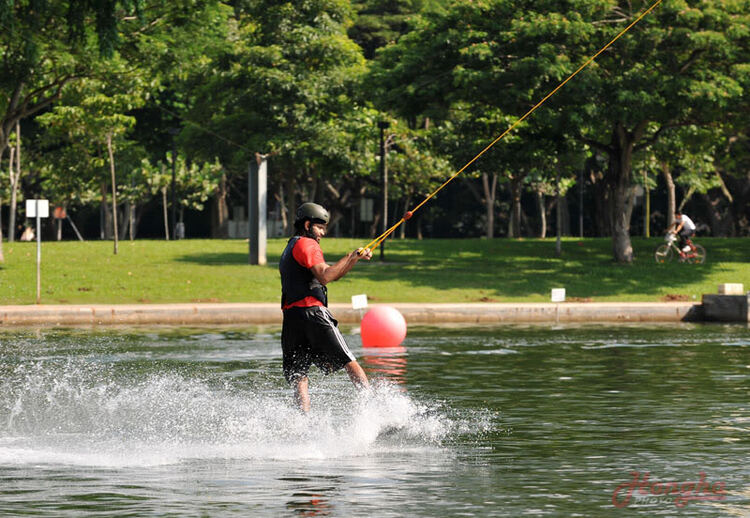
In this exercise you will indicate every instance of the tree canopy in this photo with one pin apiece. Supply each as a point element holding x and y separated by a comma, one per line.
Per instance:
<point>109,94</point>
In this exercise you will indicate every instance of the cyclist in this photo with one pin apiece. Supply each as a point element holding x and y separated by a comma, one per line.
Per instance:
<point>685,228</point>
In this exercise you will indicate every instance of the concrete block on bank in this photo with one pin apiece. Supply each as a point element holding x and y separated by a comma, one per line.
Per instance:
<point>731,288</point>
<point>726,308</point>
<point>415,313</point>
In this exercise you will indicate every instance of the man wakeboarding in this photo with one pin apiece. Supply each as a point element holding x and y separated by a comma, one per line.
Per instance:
<point>310,334</point>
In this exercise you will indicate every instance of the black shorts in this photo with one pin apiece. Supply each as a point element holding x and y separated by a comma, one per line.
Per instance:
<point>311,336</point>
<point>687,233</point>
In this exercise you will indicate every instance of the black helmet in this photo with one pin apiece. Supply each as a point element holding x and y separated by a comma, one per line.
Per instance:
<point>313,212</point>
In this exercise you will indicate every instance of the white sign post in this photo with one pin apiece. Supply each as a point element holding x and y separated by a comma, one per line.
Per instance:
<point>359,301</point>
<point>38,209</point>
<point>558,295</point>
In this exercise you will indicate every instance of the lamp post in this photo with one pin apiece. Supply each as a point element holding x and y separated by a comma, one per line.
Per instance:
<point>383,125</point>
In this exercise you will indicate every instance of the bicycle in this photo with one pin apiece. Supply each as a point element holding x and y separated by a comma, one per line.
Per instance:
<point>669,250</point>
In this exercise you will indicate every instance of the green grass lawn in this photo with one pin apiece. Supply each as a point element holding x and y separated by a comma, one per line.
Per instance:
<point>435,270</point>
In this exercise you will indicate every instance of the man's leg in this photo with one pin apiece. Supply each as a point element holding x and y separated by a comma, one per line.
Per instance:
<point>332,345</point>
<point>296,357</point>
<point>689,240</point>
<point>357,375</point>
<point>302,394</point>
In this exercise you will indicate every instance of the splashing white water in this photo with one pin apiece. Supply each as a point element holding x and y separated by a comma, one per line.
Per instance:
<point>87,414</point>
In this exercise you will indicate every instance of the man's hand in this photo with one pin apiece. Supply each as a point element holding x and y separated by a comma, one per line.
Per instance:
<point>363,253</point>
<point>325,273</point>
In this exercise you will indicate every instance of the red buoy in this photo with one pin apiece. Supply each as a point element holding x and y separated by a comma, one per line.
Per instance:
<point>408,215</point>
<point>383,326</point>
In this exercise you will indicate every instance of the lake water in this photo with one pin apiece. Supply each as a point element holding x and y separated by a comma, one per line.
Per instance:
<point>491,421</point>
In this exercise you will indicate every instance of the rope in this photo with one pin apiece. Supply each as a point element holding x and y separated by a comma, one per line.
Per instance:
<point>376,242</point>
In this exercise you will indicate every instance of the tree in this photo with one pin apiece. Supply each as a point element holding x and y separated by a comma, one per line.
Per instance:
<point>462,134</point>
<point>380,22</point>
<point>93,119</point>
<point>194,184</point>
<point>683,64</point>
<point>444,72</point>
<point>733,165</point>
<point>288,73</point>
<point>414,168</point>
<point>678,68</point>
<point>46,45</point>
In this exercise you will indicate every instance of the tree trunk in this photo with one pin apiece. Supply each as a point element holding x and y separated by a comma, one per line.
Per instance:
<point>291,203</point>
<point>620,170</point>
<point>514,229</point>
<point>402,230</point>
<point>2,257</point>
<point>565,214</point>
<point>14,181</point>
<point>621,245</point>
<point>105,220</point>
<point>602,202</point>
<point>138,217</point>
<point>164,204</point>
<point>542,214</point>
<point>114,189</point>
<point>686,198</point>
<point>666,172</point>
<point>630,204</point>
<point>601,196</point>
<point>740,206</point>
<point>124,218</point>
<point>490,190</point>
<point>11,215</point>
<point>719,215</point>
<point>131,221</point>
<point>646,206</point>
<point>338,206</point>
<point>220,212</point>
<point>375,222</point>
<point>285,224</point>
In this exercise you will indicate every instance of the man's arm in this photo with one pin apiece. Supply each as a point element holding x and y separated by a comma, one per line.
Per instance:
<point>328,273</point>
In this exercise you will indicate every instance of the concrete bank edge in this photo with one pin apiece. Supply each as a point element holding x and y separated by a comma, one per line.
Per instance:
<point>415,313</point>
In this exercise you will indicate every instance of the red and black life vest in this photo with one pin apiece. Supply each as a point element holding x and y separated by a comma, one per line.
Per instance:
<point>298,282</point>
